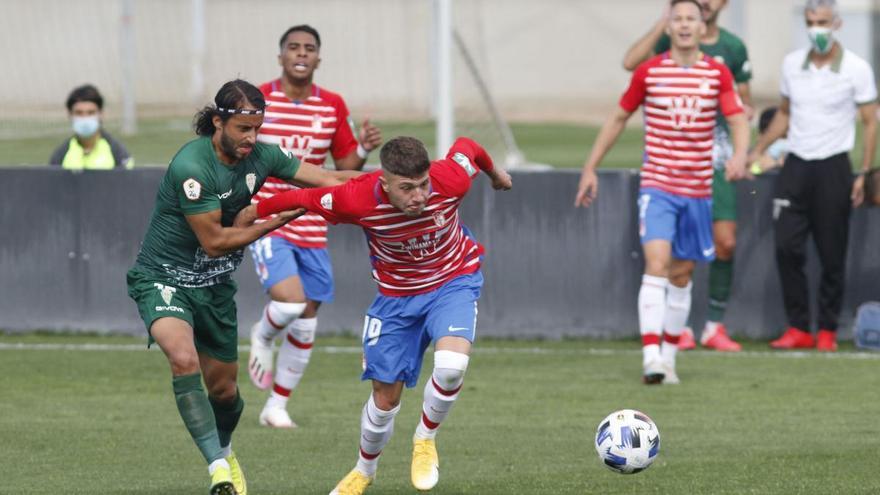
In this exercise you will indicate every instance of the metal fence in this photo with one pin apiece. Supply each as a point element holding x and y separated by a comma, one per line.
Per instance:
<point>551,270</point>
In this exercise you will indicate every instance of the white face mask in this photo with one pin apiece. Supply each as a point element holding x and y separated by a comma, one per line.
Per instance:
<point>87,126</point>
<point>821,38</point>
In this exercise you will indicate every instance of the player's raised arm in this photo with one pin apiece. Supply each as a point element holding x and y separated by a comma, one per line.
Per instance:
<point>642,49</point>
<point>480,157</point>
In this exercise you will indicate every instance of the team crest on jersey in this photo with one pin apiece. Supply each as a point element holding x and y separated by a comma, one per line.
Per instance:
<point>684,110</point>
<point>705,86</point>
<point>327,201</point>
<point>251,181</point>
<point>166,292</point>
<point>439,219</point>
<point>192,189</point>
<point>317,123</point>
<point>465,163</point>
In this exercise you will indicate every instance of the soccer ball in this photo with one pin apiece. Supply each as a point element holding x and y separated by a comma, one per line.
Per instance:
<point>627,441</point>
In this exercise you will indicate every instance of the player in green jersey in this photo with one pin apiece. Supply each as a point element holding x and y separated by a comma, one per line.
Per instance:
<point>727,48</point>
<point>182,281</point>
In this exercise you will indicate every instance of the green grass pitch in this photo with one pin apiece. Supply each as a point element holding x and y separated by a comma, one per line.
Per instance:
<point>104,422</point>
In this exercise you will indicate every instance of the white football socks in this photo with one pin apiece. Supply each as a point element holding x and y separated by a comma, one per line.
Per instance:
<point>293,358</point>
<point>678,307</point>
<point>652,310</point>
<point>377,426</point>
<point>441,391</point>
<point>276,316</point>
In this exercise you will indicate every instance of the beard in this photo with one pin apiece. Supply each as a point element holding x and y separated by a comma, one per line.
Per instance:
<point>227,145</point>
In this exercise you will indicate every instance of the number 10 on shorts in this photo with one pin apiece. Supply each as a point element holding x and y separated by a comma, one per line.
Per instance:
<point>372,329</point>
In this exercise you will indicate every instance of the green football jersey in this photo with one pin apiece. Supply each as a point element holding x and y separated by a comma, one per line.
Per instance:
<point>197,182</point>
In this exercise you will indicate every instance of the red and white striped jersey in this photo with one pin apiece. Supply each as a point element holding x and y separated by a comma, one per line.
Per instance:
<point>310,129</point>
<point>410,255</point>
<point>680,106</point>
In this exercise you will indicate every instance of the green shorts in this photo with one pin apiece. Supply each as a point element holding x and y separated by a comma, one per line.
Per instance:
<point>723,198</point>
<point>210,311</point>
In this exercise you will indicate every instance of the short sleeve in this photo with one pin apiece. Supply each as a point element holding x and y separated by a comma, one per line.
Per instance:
<point>344,141</point>
<point>637,90</point>
<point>742,67</point>
<point>864,86</point>
<point>784,88</point>
<point>728,98</point>
<point>195,190</point>
<point>663,44</point>
<point>282,164</point>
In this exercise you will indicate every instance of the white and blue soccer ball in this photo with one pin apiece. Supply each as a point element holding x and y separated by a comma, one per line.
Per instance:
<point>627,441</point>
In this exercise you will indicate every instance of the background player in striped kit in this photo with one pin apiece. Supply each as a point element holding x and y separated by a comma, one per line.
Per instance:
<point>682,90</point>
<point>292,262</point>
<point>427,266</point>
<point>727,48</point>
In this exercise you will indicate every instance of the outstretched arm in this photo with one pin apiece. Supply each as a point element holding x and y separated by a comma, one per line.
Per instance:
<point>218,240</point>
<point>309,176</point>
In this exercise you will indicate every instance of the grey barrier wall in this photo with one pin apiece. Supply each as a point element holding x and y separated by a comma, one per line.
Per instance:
<point>551,270</point>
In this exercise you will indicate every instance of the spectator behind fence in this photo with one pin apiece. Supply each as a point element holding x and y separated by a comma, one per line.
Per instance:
<point>823,89</point>
<point>91,147</point>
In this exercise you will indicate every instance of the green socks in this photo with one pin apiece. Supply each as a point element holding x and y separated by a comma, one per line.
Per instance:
<point>195,409</point>
<point>227,415</point>
<point>720,278</point>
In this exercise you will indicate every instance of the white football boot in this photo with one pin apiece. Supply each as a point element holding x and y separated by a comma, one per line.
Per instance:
<point>260,362</point>
<point>276,417</point>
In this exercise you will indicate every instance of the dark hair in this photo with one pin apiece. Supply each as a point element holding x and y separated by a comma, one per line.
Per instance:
<point>233,95</point>
<point>872,186</point>
<point>765,119</point>
<point>86,92</point>
<point>405,156</point>
<point>673,3</point>
<point>304,28</point>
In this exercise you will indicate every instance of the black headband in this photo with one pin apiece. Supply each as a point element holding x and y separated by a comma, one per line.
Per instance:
<point>241,111</point>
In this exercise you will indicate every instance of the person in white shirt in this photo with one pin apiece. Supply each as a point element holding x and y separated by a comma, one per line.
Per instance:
<point>824,88</point>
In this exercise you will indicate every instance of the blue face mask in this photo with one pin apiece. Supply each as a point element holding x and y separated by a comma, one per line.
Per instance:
<point>86,127</point>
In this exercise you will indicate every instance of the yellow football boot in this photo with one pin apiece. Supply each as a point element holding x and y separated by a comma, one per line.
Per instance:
<point>237,474</point>
<point>425,464</point>
<point>354,483</point>
<point>221,482</point>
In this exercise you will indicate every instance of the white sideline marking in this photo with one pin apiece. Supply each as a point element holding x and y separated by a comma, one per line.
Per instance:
<point>20,346</point>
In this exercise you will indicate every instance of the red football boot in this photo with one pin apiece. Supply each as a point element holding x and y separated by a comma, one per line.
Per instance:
<point>720,341</point>
<point>686,341</point>
<point>826,341</point>
<point>794,338</point>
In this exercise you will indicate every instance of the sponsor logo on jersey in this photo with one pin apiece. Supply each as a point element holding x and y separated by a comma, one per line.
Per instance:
<point>166,291</point>
<point>684,110</point>
<point>192,189</point>
<point>327,201</point>
<point>465,163</point>
<point>225,195</point>
<point>251,181</point>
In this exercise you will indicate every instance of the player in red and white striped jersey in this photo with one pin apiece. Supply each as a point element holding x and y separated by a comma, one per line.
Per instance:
<point>310,123</point>
<point>681,92</point>
<point>427,266</point>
